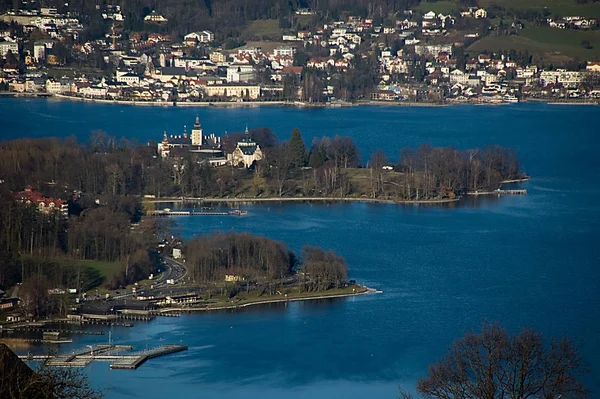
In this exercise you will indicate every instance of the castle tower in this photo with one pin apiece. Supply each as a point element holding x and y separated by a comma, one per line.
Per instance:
<point>197,137</point>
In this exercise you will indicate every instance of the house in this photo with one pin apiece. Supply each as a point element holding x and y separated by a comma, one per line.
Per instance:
<point>303,34</point>
<point>383,95</point>
<point>288,51</point>
<point>53,86</point>
<point>483,59</point>
<point>8,303</point>
<point>458,77</point>
<point>480,13</point>
<point>193,38</point>
<point>246,152</point>
<point>43,204</point>
<point>217,57</point>
<point>176,253</point>
<point>593,66</point>
<point>154,17</point>
<point>6,46</point>
<point>130,79</point>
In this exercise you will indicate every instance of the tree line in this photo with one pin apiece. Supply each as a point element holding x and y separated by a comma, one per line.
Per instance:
<point>329,167</point>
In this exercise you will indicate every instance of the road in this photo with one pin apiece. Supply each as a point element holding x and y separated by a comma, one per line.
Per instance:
<point>173,271</point>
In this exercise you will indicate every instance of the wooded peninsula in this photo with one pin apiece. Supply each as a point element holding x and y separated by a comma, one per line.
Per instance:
<point>72,213</point>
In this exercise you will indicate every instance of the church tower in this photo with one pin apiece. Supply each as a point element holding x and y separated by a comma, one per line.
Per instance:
<point>197,138</point>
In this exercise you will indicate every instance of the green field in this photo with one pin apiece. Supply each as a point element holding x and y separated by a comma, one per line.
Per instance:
<point>444,7</point>
<point>264,27</point>
<point>556,7</point>
<point>100,272</point>
<point>545,42</point>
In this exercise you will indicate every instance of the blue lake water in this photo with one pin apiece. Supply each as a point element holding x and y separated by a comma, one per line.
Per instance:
<point>529,260</point>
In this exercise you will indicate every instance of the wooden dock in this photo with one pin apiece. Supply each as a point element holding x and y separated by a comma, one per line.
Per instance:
<point>109,353</point>
<point>158,213</point>
<point>498,192</point>
<point>135,361</point>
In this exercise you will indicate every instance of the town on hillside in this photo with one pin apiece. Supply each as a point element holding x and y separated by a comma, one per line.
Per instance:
<point>468,54</point>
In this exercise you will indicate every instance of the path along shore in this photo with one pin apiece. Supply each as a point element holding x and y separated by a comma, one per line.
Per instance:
<point>298,104</point>
<point>301,199</point>
<point>361,291</point>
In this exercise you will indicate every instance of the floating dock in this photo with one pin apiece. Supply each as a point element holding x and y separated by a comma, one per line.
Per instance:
<point>110,353</point>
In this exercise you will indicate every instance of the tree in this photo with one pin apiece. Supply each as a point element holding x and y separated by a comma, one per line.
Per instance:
<point>18,381</point>
<point>297,149</point>
<point>496,364</point>
<point>323,270</point>
<point>377,162</point>
<point>34,296</point>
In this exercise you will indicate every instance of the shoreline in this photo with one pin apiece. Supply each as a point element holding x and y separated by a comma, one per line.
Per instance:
<point>280,103</point>
<point>366,291</point>
<point>300,199</point>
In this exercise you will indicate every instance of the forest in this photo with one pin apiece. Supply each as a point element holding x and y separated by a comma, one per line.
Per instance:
<point>258,261</point>
<point>329,167</point>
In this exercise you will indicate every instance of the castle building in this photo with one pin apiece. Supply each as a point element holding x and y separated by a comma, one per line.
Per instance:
<point>197,138</point>
<point>169,143</point>
<point>246,152</point>
<point>205,148</point>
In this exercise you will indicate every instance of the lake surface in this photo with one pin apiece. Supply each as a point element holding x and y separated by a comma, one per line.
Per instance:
<point>529,260</point>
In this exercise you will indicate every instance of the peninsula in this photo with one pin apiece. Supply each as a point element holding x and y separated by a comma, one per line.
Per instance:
<point>75,226</point>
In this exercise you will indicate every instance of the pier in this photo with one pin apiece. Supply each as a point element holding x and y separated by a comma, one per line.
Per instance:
<point>165,212</point>
<point>108,353</point>
<point>498,192</point>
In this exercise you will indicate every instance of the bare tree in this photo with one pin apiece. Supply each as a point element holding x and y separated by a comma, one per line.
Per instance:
<point>496,365</point>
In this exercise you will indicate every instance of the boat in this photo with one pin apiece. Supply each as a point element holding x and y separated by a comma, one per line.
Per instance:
<point>510,99</point>
<point>238,212</point>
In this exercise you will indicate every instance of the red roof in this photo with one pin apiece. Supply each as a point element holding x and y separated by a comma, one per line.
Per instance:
<point>292,69</point>
<point>32,196</point>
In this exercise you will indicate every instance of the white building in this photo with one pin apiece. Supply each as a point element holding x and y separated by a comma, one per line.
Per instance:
<point>288,51</point>
<point>246,152</point>
<point>155,17</point>
<point>53,86</point>
<point>6,46</point>
<point>130,79</point>
<point>39,51</point>
<point>237,73</point>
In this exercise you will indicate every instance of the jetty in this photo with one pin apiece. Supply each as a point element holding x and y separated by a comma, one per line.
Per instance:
<point>168,212</point>
<point>499,192</point>
<point>115,354</point>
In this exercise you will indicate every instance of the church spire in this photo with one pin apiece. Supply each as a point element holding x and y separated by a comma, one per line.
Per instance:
<point>165,136</point>
<point>197,124</point>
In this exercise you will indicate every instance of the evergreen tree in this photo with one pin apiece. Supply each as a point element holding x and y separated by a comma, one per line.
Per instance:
<point>297,149</point>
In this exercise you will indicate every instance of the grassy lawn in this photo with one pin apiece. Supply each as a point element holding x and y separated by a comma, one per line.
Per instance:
<point>558,7</point>
<point>544,41</point>
<point>264,27</point>
<point>444,7</point>
<point>100,272</point>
